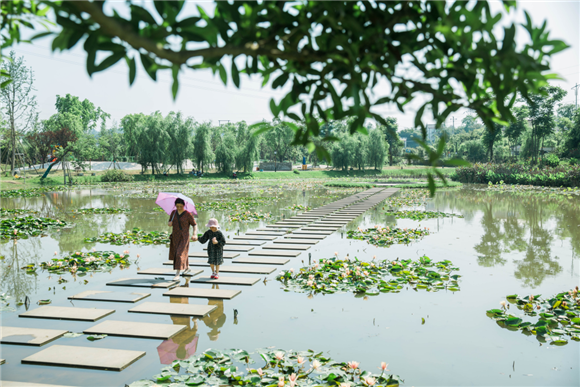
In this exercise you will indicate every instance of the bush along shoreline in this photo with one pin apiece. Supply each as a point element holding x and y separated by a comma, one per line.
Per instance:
<point>560,176</point>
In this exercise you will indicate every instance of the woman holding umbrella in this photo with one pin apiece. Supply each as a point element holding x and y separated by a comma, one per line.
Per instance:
<point>180,220</point>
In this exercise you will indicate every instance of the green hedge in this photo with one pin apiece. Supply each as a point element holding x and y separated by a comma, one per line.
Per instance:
<point>561,176</point>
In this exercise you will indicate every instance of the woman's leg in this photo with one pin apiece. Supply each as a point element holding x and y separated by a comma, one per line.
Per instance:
<point>176,275</point>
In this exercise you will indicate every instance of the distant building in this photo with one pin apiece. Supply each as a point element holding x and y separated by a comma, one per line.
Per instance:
<point>431,133</point>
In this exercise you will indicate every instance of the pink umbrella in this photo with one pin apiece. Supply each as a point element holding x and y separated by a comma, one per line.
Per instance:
<point>166,200</point>
<point>168,350</point>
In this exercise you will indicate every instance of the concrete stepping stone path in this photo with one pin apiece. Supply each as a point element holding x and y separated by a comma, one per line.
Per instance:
<point>283,225</point>
<point>258,238</point>
<point>311,232</point>
<point>101,295</point>
<point>297,241</point>
<point>67,313</point>
<point>29,336</point>
<point>203,293</point>
<point>238,241</point>
<point>85,357</point>
<point>173,308</point>
<point>135,329</point>
<point>144,283</point>
<point>233,247</point>
<point>305,235</point>
<point>263,261</point>
<point>266,233</point>
<point>204,255</point>
<point>233,269</point>
<point>276,253</point>
<point>287,247</point>
<point>171,272</point>
<point>247,281</point>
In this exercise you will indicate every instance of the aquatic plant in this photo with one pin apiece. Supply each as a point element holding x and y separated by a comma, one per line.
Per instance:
<point>4,304</point>
<point>134,236</point>
<point>299,207</point>
<point>420,215</point>
<point>407,198</point>
<point>105,210</point>
<point>280,368</point>
<point>24,227</point>
<point>81,262</point>
<point>520,189</point>
<point>249,216</point>
<point>558,316</point>
<point>561,176</point>
<point>14,211</point>
<point>346,275</point>
<point>30,192</point>
<point>387,236</point>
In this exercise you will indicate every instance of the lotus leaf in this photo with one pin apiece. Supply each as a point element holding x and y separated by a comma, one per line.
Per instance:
<point>387,236</point>
<point>16,228</point>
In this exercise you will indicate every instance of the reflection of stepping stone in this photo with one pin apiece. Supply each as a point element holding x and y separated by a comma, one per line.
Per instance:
<point>144,283</point>
<point>254,242</point>
<point>297,241</point>
<point>29,336</point>
<point>276,253</point>
<point>67,313</point>
<point>227,280</point>
<point>204,255</point>
<point>262,261</point>
<point>101,295</point>
<point>270,233</point>
<point>203,293</point>
<point>313,232</point>
<point>305,235</point>
<point>287,247</point>
<point>136,329</point>
<point>164,271</point>
<point>234,247</point>
<point>85,357</point>
<point>173,308</point>
<point>258,238</point>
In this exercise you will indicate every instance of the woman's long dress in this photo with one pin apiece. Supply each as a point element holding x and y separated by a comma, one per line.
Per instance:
<point>179,247</point>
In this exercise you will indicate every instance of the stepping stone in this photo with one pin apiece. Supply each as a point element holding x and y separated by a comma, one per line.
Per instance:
<point>102,295</point>
<point>266,233</point>
<point>6,383</point>
<point>203,293</point>
<point>85,357</point>
<point>303,236</point>
<point>312,232</point>
<point>320,228</point>
<point>276,253</point>
<point>263,261</point>
<point>67,313</point>
<point>232,247</point>
<point>292,221</point>
<point>144,283</point>
<point>204,255</point>
<point>135,329</point>
<point>236,269</point>
<point>29,336</point>
<point>328,224</point>
<point>257,238</point>
<point>282,226</point>
<point>2,361</point>
<point>227,280</point>
<point>173,308</point>
<point>287,247</point>
<point>164,271</point>
<point>297,241</point>
<point>249,242</point>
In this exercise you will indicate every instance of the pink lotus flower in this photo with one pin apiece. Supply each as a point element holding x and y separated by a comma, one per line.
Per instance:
<point>293,378</point>
<point>281,381</point>
<point>291,270</point>
<point>336,253</point>
<point>344,275</point>
<point>111,256</point>
<point>384,366</point>
<point>316,364</point>
<point>353,365</point>
<point>125,251</point>
<point>138,255</point>
<point>300,360</point>
<point>122,255</point>
<point>94,249</point>
<point>310,277</point>
<point>503,303</point>
<point>370,381</point>
<point>260,372</point>
<point>344,385</point>
<point>279,355</point>
<point>309,283</point>
<point>55,253</point>
<point>374,256</point>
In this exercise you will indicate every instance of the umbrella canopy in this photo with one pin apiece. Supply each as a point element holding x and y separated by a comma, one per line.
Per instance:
<point>168,350</point>
<point>166,200</point>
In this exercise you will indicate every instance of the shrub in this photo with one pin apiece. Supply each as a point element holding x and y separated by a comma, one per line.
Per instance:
<point>561,176</point>
<point>551,160</point>
<point>116,175</point>
<point>573,161</point>
<point>296,171</point>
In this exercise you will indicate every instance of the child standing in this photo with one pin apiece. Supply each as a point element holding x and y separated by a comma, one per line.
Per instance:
<point>215,249</point>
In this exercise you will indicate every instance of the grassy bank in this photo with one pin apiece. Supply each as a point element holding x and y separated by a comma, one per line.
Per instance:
<point>561,176</point>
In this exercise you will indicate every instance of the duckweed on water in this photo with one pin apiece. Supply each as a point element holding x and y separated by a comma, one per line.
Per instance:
<point>81,262</point>
<point>420,215</point>
<point>135,236</point>
<point>24,227</point>
<point>387,236</point>
<point>249,216</point>
<point>105,210</point>
<point>10,212</point>
<point>293,368</point>
<point>558,316</point>
<point>343,276</point>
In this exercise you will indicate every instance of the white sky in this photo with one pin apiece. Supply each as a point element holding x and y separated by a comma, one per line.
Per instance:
<point>205,98</point>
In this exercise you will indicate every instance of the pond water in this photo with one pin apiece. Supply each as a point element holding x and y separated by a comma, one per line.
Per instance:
<point>506,243</point>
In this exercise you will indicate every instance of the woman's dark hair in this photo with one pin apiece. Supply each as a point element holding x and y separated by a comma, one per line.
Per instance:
<point>179,201</point>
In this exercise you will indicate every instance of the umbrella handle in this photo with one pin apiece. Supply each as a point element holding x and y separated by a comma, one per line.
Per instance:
<point>173,214</point>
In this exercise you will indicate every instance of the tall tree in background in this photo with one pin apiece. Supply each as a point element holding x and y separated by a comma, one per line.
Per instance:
<point>112,143</point>
<point>377,149</point>
<point>225,154</point>
<point>392,138</point>
<point>279,139</point>
<point>516,128</point>
<point>17,100</point>
<point>248,143</point>
<point>153,143</point>
<point>542,116</point>
<point>132,125</point>
<point>85,110</point>
<point>202,151</point>
<point>489,139</point>
<point>180,131</point>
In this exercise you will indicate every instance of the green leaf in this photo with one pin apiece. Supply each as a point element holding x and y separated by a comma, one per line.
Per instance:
<point>223,73</point>
<point>235,74</point>
<point>132,69</point>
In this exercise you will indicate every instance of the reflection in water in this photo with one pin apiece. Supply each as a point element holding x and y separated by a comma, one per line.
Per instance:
<point>523,223</point>
<point>184,344</point>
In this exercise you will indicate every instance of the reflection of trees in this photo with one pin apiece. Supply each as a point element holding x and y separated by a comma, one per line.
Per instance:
<point>14,280</point>
<point>519,222</point>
